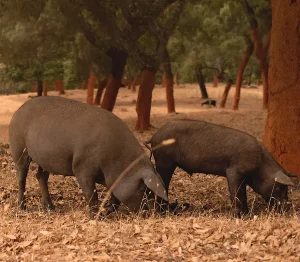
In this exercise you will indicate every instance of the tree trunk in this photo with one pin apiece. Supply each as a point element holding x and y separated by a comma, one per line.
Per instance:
<point>261,55</point>
<point>39,85</point>
<point>239,77</point>
<point>134,83</point>
<point>225,94</point>
<point>101,87</point>
<point>90,89</point>
<point>216,81</point>
<point>45,88</point>
<point>168,82</point>
<point>281,136</point>
<point>201,82</point>
<point>113,84</point>
<point>59,86</point>
<point>83,86</point>
<point>143,105</point>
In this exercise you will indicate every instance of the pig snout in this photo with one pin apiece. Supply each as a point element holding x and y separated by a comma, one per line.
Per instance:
<point>279,199</point>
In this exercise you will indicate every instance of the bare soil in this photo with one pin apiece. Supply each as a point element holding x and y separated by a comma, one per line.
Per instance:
<point>204,232</point>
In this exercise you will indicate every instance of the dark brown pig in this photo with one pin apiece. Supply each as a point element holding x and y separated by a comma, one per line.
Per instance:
<point>70,138</point>
<point>203,147</point>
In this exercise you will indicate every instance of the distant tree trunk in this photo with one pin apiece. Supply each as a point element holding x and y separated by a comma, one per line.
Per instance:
<point>59,86</point>
<point>143,106</point>
<point>239,77</point>
<point>90,89</point>
<point>216,81</point>
<point>83,86</point>
<point>45,88</point>
<point>114,82</point>
<point>258,82</point>
<point>201,82</point>
<point>168,82</point>
<point>176,80</point>
<point>261,52</point>
<point>134,83</point>
<point>225,94</point>
<point>101,87</point>
<point>33,87</point>
<point>163,80</point>
<point>39,85</point>
<point>281,136</point>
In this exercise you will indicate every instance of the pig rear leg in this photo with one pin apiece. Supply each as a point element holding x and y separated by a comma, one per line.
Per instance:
<point>237,190</point>
<point>87,184</point>
<point>22,161</point>
<point>112,205</point>
<point>42,177</point>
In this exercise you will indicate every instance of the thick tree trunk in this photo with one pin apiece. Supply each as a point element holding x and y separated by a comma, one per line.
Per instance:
<point>33,87</point>
<point>113,84</point>
<point>83,86</point>
<point>143,106</point>
<point>90,89</point>
<point>282,137</point>
<point>45,88</point>
<point>225,94</point>
<point>239,77</point>
<point>201,82</point>
<point>101,87</point>
<point>216,81</point>
<point>168,82</point>
<point>39,85</point>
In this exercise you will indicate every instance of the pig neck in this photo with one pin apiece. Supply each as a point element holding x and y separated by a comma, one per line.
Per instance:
<point>265,174</point>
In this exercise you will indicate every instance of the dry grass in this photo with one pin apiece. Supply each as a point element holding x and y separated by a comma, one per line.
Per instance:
<point>205,232</point>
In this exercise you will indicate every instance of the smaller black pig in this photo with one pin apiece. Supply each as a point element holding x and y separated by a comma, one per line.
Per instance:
<point>203,147</point>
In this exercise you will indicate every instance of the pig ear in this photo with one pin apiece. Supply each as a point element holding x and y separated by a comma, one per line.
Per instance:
<point>156,185</point>
<point>290,174</point>
<point>283,179</point>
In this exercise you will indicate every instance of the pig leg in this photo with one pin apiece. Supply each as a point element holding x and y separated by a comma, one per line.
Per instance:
<point>237,190</point>
<point>112,205</point>
<point>22,171</point>
<point>87,184</point>
<point>165,170</point>
<point>43,176</point>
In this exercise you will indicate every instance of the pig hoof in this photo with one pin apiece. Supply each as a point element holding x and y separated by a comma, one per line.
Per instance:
<point>48,207</point>
<point>22,206</point>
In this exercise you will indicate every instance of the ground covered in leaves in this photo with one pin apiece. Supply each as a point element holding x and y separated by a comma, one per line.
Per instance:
<point>204,232</point>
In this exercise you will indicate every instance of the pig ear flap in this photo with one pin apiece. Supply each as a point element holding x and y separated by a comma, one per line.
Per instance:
<point>156,185</point>
<point>283,179</point>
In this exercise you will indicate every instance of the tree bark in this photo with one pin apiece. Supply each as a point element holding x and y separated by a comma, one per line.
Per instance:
<point>201,82</point>
<point>112,88</point>
<point>33,87</point>
<point>169,84</point>
<point>143,106</point>
<point>45,88</point>
<point>90,89</point>
<point>239,77</point>
<point>101,87</point>
<point>281,135</point>
<point>59,86</point>
<point>225,94</point>
<point>39,85</point>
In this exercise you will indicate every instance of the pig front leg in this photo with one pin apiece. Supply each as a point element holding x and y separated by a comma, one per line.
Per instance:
<point>112,205</point>
<point>237,190</point>
<point>42,177</point>
<point>88,186</point>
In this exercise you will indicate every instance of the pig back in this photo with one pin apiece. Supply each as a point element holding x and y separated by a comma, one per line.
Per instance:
<point>58,131</point>
<point>209,148</point>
